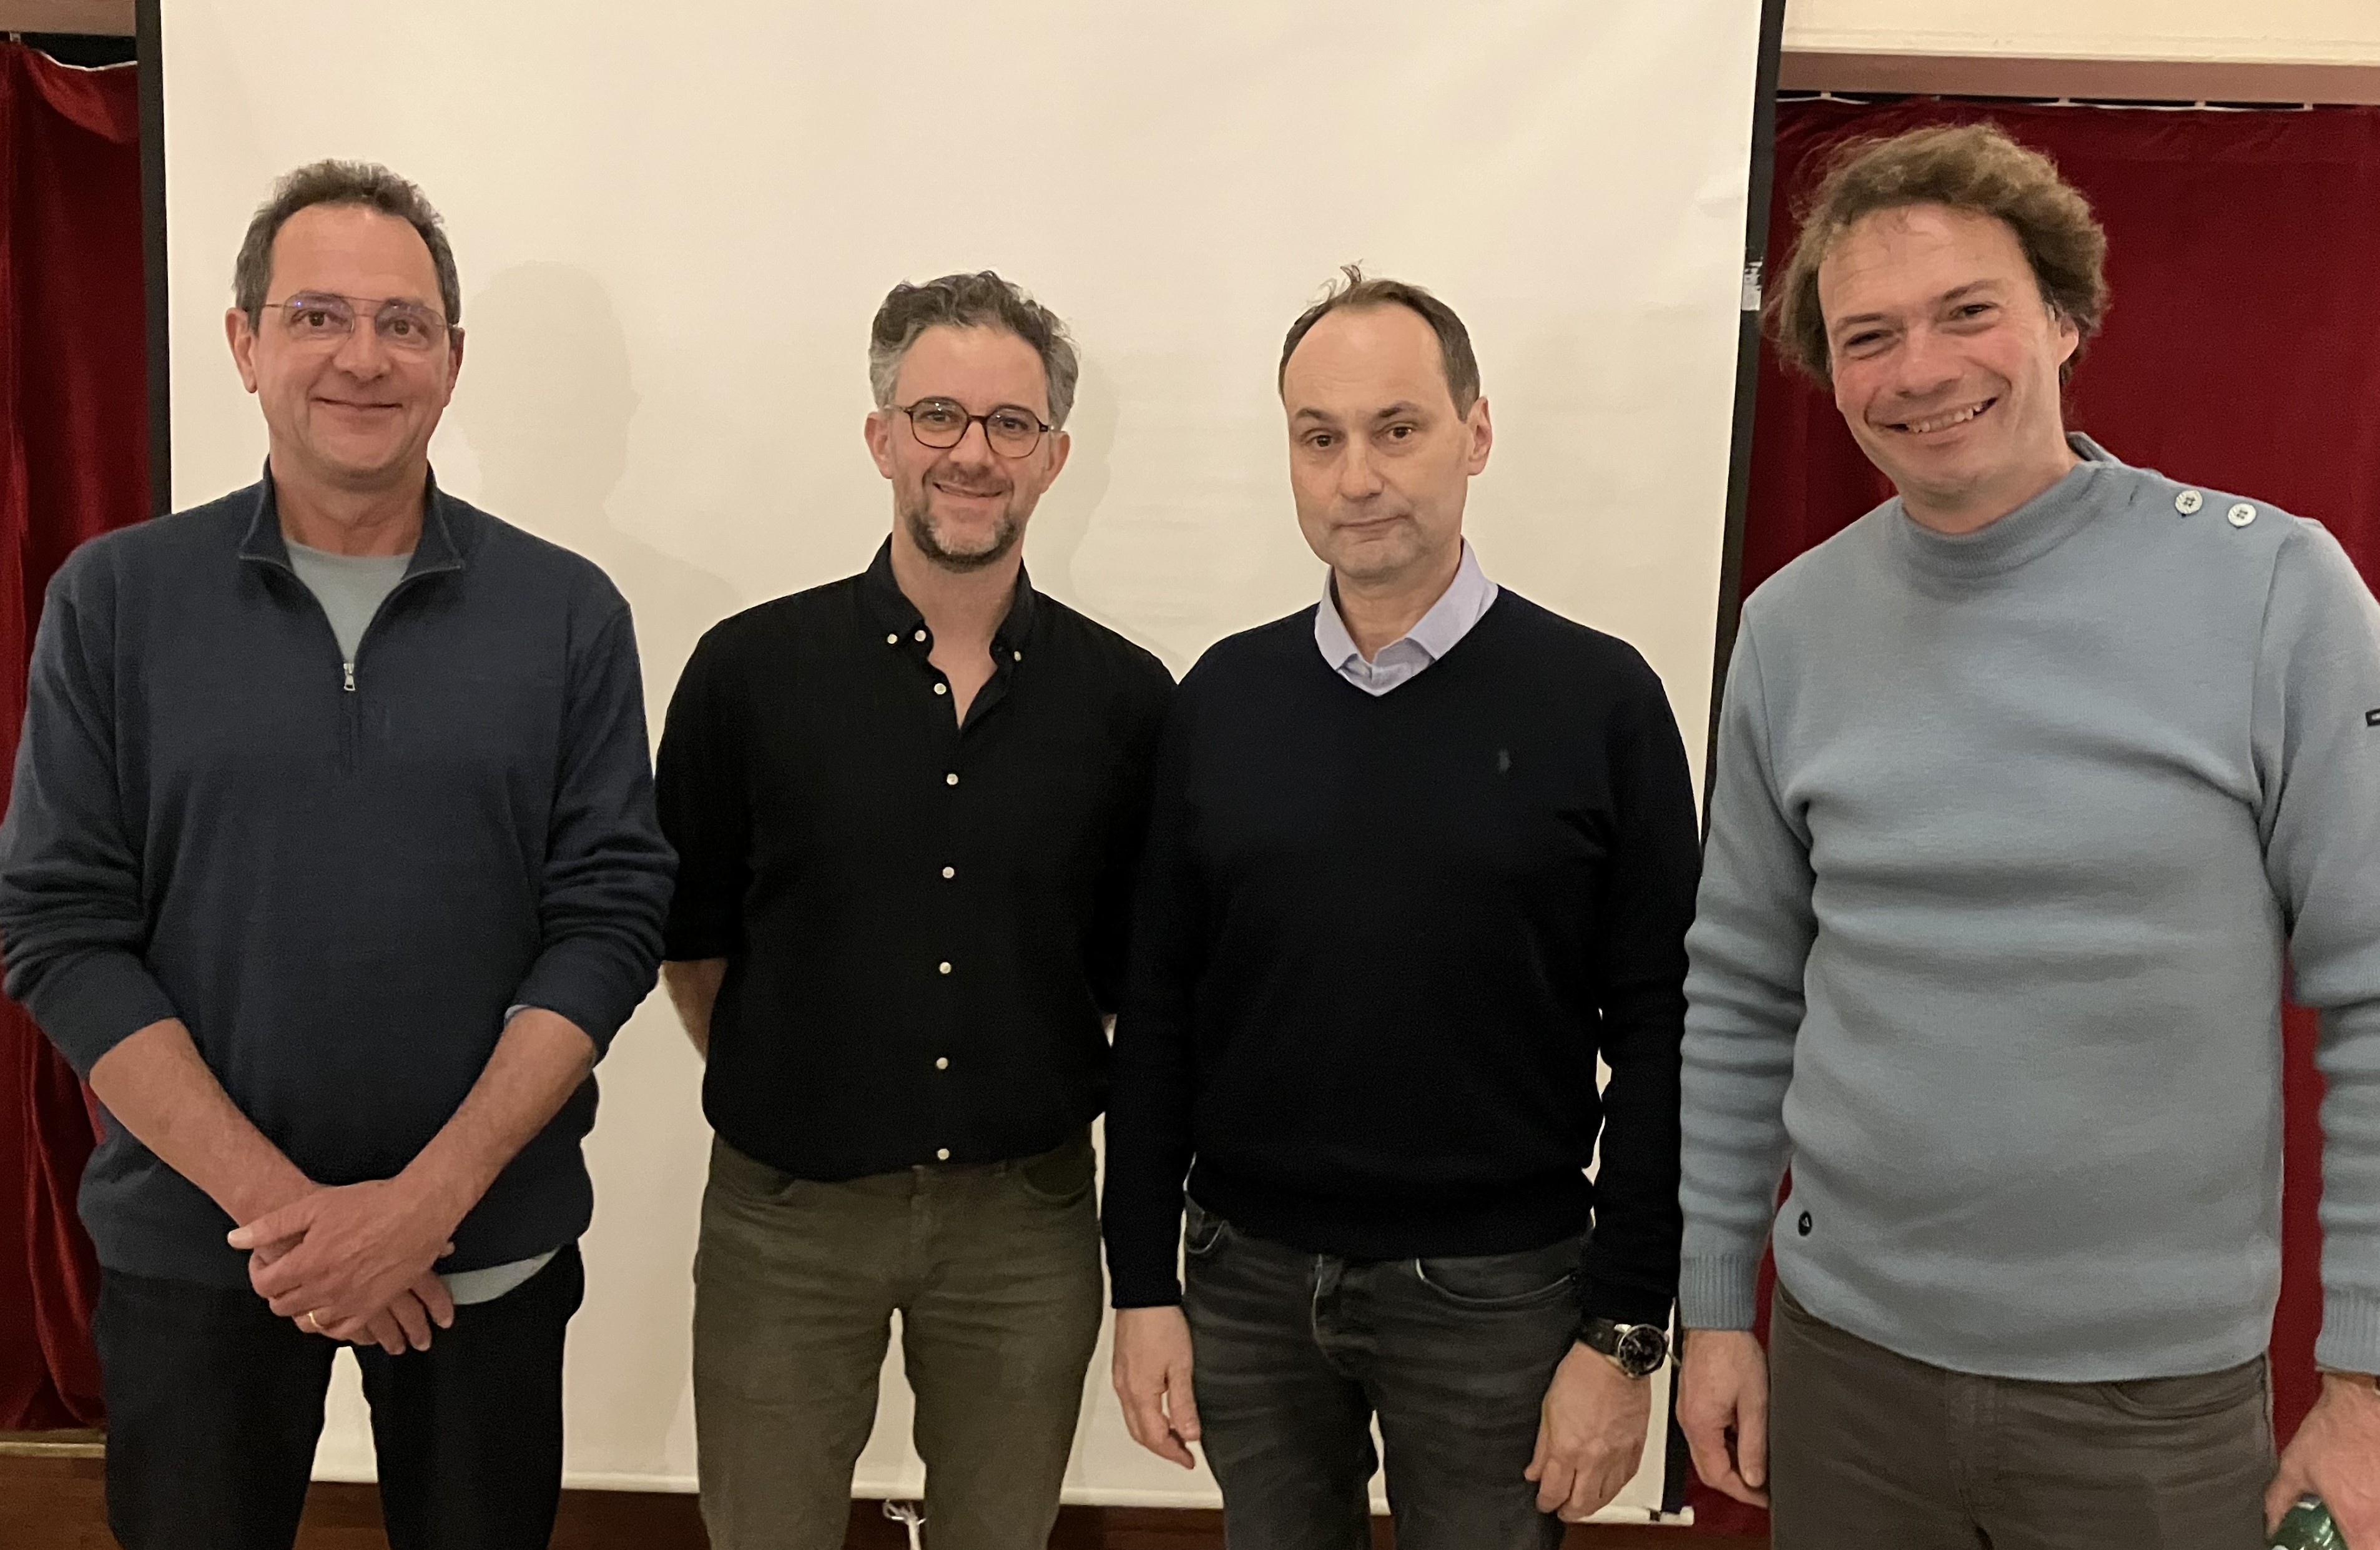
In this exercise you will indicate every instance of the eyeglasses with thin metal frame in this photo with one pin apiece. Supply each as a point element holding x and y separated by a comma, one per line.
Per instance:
<point>1010,430</point>
<point>326,317</point>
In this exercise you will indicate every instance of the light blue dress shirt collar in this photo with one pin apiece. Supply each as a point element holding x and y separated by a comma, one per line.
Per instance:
<point>1465,601</point>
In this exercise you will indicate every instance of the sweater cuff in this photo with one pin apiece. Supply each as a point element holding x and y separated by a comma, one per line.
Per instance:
<point>582,980</point>
<point>1716,1291</point>
<point>95,1003</point>
<point>2350,1333</point>
<point>1147,1295</point>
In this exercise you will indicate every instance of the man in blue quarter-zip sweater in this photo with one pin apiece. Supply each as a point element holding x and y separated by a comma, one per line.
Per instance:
<point>2026,783</point>
<point>332,865</point>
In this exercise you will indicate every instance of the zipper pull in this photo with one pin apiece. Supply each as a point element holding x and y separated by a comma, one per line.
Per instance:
<point>350,669</point>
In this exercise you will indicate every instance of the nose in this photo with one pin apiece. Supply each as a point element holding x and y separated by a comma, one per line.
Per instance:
<point>361,354</point>
<point>1359,474</point>
<point>1925,364</point>
<point>974,446</point>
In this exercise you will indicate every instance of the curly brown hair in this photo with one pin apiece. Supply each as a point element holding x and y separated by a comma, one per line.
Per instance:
<point>1975,167</point>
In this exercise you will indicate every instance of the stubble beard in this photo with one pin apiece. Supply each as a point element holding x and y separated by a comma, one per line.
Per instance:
<point>918,519</point>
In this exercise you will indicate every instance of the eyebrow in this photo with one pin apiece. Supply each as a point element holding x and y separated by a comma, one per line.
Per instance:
<point>1402,407</point>
<point>1953,294</point>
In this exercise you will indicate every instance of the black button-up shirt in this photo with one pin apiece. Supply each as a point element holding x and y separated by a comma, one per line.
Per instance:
<point>923,921</point>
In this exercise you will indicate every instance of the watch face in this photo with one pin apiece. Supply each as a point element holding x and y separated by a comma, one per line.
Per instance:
<point>1642,1349</point>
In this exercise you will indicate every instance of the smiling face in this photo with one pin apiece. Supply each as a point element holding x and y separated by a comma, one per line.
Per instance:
<point>966,506</point>
<point>1945,362</point>
<point>349,414</point>
<point>1379,459</point>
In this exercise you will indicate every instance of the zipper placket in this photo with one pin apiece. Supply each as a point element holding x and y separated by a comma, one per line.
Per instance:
<point>351,722</point>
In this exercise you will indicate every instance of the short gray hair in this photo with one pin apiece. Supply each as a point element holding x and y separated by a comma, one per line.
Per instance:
<point>366,184</point>
<point>978,301</point>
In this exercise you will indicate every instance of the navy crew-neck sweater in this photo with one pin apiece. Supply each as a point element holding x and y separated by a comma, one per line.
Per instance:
<point>1378,945</point>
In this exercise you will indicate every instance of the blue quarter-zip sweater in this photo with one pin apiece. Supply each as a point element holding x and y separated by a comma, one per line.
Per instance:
<point>339,874</point>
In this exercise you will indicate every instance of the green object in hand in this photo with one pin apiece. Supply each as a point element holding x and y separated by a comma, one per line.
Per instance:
<point>2308,1526</point>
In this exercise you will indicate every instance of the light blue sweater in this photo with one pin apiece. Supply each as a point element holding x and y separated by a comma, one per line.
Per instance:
<point>2010,833</point>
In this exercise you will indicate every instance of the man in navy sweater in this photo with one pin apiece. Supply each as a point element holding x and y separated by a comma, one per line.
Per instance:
<point>332,865</point>
<point>1417,857</point>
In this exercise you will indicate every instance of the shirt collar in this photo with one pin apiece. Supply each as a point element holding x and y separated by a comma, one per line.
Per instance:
<point>436,549</point>
<point>896,615</point>
<point>1466,600</point>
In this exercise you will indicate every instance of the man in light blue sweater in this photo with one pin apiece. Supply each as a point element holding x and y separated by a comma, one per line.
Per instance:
<point>2028,784</point>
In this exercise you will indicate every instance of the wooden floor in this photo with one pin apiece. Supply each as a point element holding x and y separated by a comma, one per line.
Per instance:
<point>51,1503</point>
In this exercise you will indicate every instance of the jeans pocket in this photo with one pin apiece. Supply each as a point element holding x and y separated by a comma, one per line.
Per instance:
<point>748,1178</point>
<point>1527,1279</point>
<point>2193,1397</point>
<point>1060,1177</point>
<point>1202,1231</point>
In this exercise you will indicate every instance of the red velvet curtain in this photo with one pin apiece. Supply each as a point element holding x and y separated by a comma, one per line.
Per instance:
<point>74,462</point>
<point>2242,352</point>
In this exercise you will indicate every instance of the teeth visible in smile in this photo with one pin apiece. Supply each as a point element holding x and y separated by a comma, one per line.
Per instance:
<point>1944,422</point>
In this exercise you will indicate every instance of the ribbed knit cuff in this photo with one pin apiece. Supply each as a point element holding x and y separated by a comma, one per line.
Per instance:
<point>2350,1333</point>
<point>1716,1291</point>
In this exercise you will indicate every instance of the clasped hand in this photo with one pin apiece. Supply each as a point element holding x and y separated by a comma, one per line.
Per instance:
<point>353,1263</point>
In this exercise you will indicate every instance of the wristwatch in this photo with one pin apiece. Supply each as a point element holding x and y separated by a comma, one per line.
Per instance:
<point>1637,1349</point>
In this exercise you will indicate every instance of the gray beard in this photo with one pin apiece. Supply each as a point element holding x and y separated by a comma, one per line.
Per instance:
<point>920,523</point>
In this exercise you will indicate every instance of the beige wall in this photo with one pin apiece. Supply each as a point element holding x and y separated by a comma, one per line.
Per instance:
<point>2258,31</point>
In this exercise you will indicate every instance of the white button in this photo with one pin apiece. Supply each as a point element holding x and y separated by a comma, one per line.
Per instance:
<point>2188,502</point>
<point>943,1064</point>
<point>2240,516</point>
<point>941,688</point>
<point>921,635</point>
<point>946,966</point>
<point>1019,655</point>
<point>943,1155</point>
<point>891,640</point>
<point>952,779</point>
<point>950,872</point>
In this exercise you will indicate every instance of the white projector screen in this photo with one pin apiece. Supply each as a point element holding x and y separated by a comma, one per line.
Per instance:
<point>673,226</point>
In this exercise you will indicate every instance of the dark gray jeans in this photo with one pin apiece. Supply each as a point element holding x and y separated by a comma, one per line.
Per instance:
<point>1870,1450</point>
<point>1294,1354</point>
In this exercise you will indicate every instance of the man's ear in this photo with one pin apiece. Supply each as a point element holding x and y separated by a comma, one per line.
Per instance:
<point>240,335</point>
<point>1482,433</point>
<point>877,430</point>
<point>2070,336</point>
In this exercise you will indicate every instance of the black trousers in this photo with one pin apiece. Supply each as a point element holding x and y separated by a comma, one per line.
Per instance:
<point>215,1406</point>
<point>1296,1353</point>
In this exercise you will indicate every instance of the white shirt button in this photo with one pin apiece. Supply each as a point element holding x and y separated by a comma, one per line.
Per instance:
<point>943,1155</point>
<point>920,636</point>
<point>942,1063</point>
<point>2188,502</point>
<point>950,872</point>
<point>893,640</point>
<point>946,966</point>
<point>941,688</point>
<point>1018,655</point>
<point>952,779</point>
<point>2240,516</point>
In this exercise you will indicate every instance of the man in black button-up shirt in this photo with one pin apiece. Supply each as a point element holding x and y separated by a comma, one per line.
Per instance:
<point>907,807</point>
